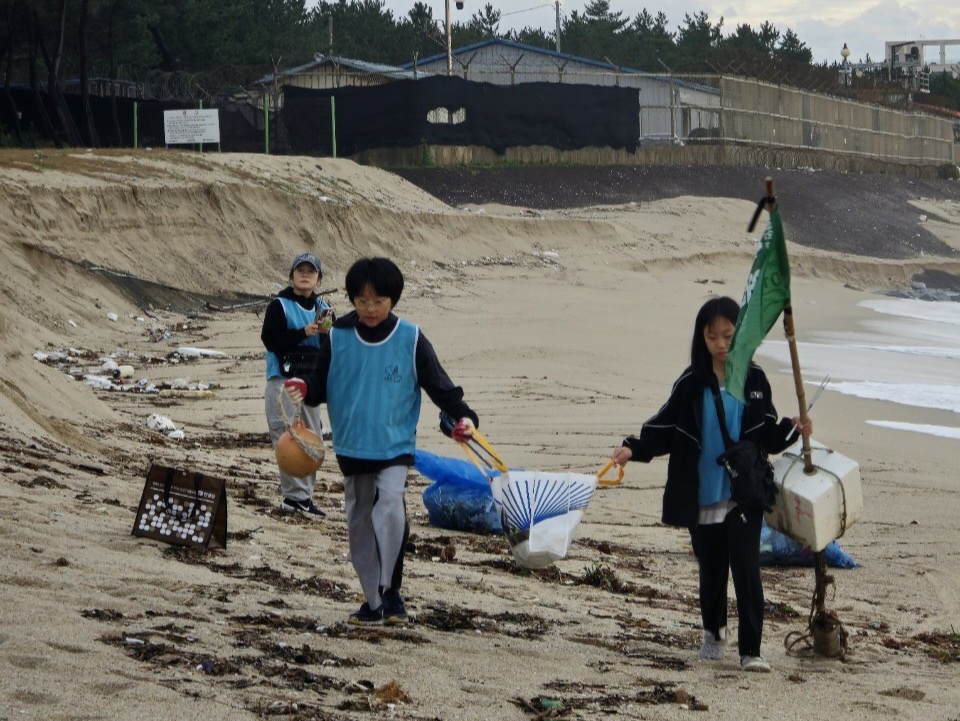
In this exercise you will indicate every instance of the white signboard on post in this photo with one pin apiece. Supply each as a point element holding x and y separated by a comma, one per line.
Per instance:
<point>187,127</point>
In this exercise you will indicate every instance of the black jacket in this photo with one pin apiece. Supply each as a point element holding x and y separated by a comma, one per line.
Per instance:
<point>431,377</point>
<point>676,429</point>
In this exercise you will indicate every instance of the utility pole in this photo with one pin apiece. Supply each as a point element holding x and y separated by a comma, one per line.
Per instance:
<point>557,5</point>
<point>449,42</point>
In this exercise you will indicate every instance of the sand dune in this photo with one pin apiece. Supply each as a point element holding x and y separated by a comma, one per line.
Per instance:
<point>565,326</point>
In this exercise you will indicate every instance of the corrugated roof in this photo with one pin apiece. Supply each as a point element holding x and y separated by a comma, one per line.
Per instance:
<point>362,66</point>
<point>606,65</point>
<point>525,48</point>
<point>406,72</point>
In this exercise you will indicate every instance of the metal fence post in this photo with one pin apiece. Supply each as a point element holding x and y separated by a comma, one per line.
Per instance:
<point>333,124</point>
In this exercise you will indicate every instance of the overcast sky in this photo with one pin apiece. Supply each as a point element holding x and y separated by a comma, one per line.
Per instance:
<point>824,25</point>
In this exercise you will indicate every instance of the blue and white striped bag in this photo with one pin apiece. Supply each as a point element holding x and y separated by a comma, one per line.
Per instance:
<point>540,511</point>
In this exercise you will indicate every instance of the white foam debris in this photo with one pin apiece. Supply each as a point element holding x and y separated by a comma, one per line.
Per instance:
<point>188,352</point>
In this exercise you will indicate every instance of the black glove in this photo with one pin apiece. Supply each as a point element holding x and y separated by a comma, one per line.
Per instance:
<point>461,431</point>
<point>447,422</point>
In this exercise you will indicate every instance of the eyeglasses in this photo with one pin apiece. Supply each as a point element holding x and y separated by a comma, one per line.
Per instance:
<point>378,302</point>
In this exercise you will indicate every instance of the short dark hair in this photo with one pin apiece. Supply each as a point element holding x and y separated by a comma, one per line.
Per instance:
<point>382,274</point>
<point>720,307</point>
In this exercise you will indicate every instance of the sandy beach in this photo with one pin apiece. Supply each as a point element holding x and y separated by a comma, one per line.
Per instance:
<point>565,326</point>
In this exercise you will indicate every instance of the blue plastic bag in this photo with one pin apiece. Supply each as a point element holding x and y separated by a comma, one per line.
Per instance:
<point>459,498</point>
<point>776,549</point>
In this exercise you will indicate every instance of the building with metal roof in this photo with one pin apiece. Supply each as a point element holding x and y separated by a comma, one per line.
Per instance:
<point>671,107</point>
<point>329,71</point>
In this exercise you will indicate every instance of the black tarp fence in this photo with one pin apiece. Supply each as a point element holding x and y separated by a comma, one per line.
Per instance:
<point>437,110</point>
<point>452,111</point>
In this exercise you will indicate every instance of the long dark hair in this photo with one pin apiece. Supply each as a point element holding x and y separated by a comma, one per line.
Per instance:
<point>720,307</point>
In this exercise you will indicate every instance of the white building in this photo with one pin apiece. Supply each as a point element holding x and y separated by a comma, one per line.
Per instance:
<point>916,55</point>
<point>671,107</point>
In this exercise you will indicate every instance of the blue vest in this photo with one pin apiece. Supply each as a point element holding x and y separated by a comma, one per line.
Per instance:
<point>373,394</point>
<point>714,480</point>
<point>297,317</point>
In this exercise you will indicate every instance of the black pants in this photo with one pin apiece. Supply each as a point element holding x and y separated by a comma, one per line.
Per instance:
<point>733,546</point>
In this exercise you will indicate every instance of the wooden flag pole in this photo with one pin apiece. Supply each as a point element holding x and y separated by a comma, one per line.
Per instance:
<point>825,633</point>
<point>794,357</point>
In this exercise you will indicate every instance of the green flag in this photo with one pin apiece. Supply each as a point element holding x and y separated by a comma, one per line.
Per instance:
<point>765,296</point>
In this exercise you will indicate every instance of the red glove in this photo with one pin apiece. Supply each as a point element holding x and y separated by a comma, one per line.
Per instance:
<point>296,389</point>
<point>462,431</point>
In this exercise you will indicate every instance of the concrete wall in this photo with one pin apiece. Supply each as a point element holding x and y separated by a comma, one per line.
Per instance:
<point>707,154</point>
<point>772,115</point>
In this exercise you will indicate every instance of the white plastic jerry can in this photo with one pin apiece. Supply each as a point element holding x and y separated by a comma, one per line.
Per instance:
<point>815,509</point>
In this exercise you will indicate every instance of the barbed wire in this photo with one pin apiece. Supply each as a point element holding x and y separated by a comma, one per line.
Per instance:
<point>216,84</point>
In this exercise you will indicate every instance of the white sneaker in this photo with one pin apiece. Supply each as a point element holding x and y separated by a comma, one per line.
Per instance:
<point>756,664</point>
<point>712,649</point>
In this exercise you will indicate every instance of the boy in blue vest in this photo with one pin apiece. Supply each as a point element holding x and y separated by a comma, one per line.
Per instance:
<point>370,374</point>
<point>293,332</point>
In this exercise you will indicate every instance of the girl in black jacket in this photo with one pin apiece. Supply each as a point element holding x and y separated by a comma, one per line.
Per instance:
<point>725,536</point>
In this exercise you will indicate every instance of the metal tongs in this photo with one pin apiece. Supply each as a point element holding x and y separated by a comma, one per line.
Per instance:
<point>475,447</point>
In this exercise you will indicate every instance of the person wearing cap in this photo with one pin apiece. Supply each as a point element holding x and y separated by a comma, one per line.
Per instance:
<point>295,327</point>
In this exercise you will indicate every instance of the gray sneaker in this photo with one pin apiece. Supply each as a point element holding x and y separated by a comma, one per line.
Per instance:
<point>755,664</point>
<point>712,648</point>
